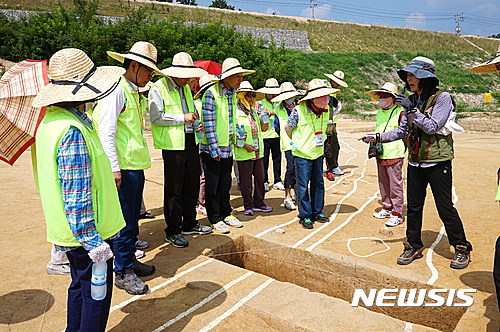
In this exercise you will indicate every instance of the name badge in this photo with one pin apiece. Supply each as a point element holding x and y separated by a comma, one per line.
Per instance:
<point>319,138</point>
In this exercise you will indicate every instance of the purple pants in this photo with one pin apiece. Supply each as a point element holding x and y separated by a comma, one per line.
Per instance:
<point>390,182</point>
<point>247,170</point>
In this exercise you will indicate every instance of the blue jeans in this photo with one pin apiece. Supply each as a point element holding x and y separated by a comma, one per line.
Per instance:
<point>311,202</point>
<point>130,194</point>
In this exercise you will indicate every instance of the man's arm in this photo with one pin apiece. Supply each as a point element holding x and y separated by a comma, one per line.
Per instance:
<point>157,112</point>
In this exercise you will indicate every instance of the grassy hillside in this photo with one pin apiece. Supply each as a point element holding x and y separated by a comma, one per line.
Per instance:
<point>324,35</point>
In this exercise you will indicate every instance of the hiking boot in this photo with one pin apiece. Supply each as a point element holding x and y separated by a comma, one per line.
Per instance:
<point>382,214</point>
<point>394,221</point>
<point>279,186</point>
<point>263,208</point>
<point>58,269</point>
<point>320,218</point>
<point>288,203</point>
<point>461,259</point>
<point>143,270</point>
<point>337,171</point>
<point>141,244</point>
<point>177,240</point>
<point>198,229</point>
<point>330,176</point>
<point>233,221</point>
<point>130,283</point>
<point>221,227</point>
<point>409,254</point>
<point>306,223</point>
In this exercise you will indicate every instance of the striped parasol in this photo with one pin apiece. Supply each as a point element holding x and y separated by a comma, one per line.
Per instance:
<point>18,119</point>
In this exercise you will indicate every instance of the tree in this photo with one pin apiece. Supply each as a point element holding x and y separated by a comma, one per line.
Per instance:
<point>187,2</point>
<point>495,36</point>
<point>221,4</point>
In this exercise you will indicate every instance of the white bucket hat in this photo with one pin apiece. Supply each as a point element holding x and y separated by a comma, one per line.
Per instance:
<point>143,52</point>
<point>74,77</point>
<point>245,86</point>
<point>490,66</point>
<point>205,82</point>
<point>318,88</point>
<point>232,66</point>
<point>287,90</point>
<point>338,77</point>
<point>183,67</point>
<point>388,87</point>
<point>271,87</point>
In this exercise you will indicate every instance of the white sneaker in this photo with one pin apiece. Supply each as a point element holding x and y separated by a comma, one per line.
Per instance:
<point>394,221</point>
<point>139,253</point>
<point>337,171</point>
<point>382,214</point>
<point>233,221</point>
<point>266,186</point>
<point>220,227</point>
<point>58,269</point>
<point>279,186</point>
<point>288,203</point>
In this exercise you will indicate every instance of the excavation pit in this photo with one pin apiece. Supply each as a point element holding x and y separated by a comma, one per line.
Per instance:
<point>336,276</point>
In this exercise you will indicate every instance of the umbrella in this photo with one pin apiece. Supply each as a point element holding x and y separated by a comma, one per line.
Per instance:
<point>18,119</point>
<point>212,67</point>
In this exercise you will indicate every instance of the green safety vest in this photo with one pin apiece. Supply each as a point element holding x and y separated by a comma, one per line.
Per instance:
<point>108,216</point>
<point>270,133</point>
<point>432,148</point>
<point>282,115</point>
<point>304,134</point>
<point>198,105</point>
<point>171,137</point>
<point>497,198</point>
<point>221,115</point>
<point>241,154</point>
<point>131,147</point>
<point>394,149</point>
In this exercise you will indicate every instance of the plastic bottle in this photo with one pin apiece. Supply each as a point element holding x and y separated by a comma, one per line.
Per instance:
<point>241,133</point>
<point>265,117</point>
<point>199,134</point>
<point>98,281</point>
<point>294,146</point>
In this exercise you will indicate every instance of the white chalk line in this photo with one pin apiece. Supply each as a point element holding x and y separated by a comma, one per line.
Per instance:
<point>238,305</point>
<point>367,238</point>
<point>408,327</point>
<point>430,252</point>
<point>203,302</point>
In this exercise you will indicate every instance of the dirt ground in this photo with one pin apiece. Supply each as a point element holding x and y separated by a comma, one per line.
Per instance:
<point>287,278</point>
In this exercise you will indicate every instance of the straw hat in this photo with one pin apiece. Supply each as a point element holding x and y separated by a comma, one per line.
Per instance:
<point>421,67</point>
<point>142,52</point>
<point>245,86</point>
<point>287,90</point>
<point>232,66</point>
<point>271,87</point>
<point>388,87</point>
<point>490,66</point>
<point>338,77</point>
<point>318,88</point>
<point>74,77</point>
<point>205,82</point>
<point>183,67</point>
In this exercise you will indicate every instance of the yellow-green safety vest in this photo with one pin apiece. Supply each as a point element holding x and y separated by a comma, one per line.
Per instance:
<point>270,133</point>
<point>304,135</point>
<point>282,115</point>
<point>394,149</point>
<point>241,154</point>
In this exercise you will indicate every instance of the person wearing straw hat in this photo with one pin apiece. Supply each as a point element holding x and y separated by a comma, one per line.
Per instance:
<point>272,136</point>
<point>119,119</point>
<point>248,154</point>
<point>173,115</point>
<point>219,106</point>
<point>429,159</point>
<point>390,162</point>
<point>285,103</point>
<point>332,146</point>
<point>75,182</point>
<point>306,127</point>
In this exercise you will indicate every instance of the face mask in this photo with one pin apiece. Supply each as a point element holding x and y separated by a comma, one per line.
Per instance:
<point>385,103</point>
<point>289,101</point>
<point>321,102</point>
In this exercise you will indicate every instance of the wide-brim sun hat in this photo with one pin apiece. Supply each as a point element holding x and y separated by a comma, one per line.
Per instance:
<point>142,52</point>
<point>287,91</point>
<point>338,77</point>
<point>74,77</point>
<point>387,88</point>
<point>232,66</point>
<point>489,67</point>
<point>421,67</point>
<point>318,88</point>
<point>205,83</point>
<point>271,87</point>
<point>245,86</point>
<point>183,67</point>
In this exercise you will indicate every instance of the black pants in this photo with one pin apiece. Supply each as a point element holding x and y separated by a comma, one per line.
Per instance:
<point>272,145</point>
<point>439,177</point>
<point>332,148</point>
<point>290,170</point>
<point>496,270</point>
<point>182,185</point>
<point>217,186</point>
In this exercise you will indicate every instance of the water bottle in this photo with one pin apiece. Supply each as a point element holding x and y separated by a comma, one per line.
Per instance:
<point>294,146</point>
<point>199,134</point>
<point>265,117</point>
<point>98,281</point>
<point>241,133</point>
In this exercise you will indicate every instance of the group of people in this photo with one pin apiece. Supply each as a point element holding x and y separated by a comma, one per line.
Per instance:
<point>89,165</point>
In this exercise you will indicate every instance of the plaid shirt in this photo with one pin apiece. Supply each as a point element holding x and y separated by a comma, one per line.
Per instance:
<point>209,122</point>
<point>75,176</point>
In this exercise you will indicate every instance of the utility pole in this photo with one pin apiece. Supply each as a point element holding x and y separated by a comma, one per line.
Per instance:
<point>459,18</point>
<point>312,7</point>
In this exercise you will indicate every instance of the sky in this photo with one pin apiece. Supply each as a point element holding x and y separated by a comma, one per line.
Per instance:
<point>476,17</point>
